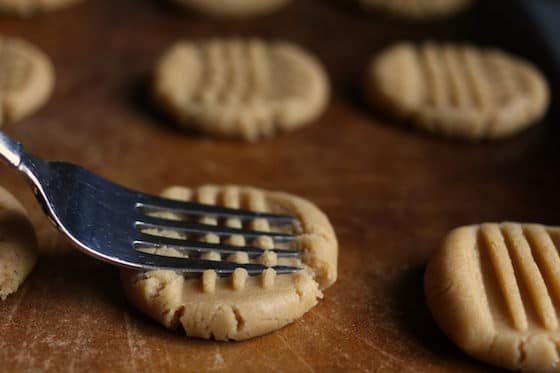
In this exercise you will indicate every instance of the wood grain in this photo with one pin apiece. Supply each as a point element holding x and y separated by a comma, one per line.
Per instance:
<point>392,193</point>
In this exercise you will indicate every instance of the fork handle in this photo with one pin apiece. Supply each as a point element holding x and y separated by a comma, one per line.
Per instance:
<point>10,150</point>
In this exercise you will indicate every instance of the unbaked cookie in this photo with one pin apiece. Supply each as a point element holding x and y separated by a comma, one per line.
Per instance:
<point>417,9</point>
<point>26,78</point>
<point>18,246</point>
<point>233,8</point>
<point>457,90</point>
<point>240,307</point>
<point>240,88</point>
<point>29,7</point>
<point>494,289</point>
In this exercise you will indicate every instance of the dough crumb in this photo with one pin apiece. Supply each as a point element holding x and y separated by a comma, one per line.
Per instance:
<point>239,278</point>
<point>209,281</point>
<point>267,278</point>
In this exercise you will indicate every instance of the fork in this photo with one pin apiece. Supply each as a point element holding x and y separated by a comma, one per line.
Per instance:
<point>108,221</point>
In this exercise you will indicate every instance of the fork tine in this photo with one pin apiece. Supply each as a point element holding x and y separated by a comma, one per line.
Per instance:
<point>149,240</point>
<point>146,221</point>
<point>155,203</point>
<point>187,265</point>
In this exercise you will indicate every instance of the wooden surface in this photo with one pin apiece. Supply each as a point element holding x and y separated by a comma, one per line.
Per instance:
<point>391,193</point>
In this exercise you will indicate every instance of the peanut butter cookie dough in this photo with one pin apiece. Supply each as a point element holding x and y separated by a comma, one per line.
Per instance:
<point>241,307</point>
<point>457,90</point>
<point>26,78</point>
<point>27,8</point>
<point>233,8</point>
<point>18,246</point>
<point>240,88</point>
<point>494,289</point>
<point>417,9</point>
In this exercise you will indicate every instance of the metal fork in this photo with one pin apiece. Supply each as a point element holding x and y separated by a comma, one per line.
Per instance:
<point>108,221</point>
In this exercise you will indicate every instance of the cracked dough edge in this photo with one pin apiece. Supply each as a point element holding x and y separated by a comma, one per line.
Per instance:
<point>18,245</point>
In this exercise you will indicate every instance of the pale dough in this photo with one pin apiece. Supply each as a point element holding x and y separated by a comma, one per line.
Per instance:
<point>26,78</point>
<point>240,307</point>
<point>18,245</point>
<point>244,88</point>
<point>494,289</point>
<point>457,90</point>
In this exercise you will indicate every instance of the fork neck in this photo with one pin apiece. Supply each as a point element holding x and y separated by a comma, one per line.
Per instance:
<point>10,150</point>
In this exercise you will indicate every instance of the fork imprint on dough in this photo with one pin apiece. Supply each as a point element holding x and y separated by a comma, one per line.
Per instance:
<point>241,306</point>
<point>458,90</point>
<point>418,9</point>
<point>234,72</point>
<point>513,275</point>
<point>241,87</point>
<point>232,197</point>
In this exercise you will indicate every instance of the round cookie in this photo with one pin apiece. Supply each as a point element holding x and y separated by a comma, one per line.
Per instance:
<point>418,10</point>
<point>26,78</point>
<point>18,246</point>
<point>240,88</point>
<point>457,90</point>
<point>233,8</point>
<point>241,307</point>
<point>29,7</point>
<point>494,289</point>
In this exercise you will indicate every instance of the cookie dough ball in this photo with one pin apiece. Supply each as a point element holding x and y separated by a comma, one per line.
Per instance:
<point>233,8</point>
<point>241,306</point>
<point>245,89</point>
<point>418,10</point>
<point>457,90</point>
<point>18,246</point>
<point>29,7</point>
<point>26,79</point>
<point>494,289</point>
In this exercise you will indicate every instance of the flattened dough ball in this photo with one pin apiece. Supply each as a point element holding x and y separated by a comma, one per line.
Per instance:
<point>494,289</point>
<point>244,88</point>
<point>457,90</point>
<point>233,8</point>
<point>27,8</point>
<point>240,307</point>
<point>417,9</point>
<point>26,78</point>
<point>18,245</point>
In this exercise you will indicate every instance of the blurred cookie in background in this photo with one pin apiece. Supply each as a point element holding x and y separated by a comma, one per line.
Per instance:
<point>26,78</point>
<point>241,88</point>
<point>27,8</point>
<point>417,9</point>
<point>233,8</point>
<point>457,90</point>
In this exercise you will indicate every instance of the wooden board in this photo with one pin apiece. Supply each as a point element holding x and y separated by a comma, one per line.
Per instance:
<point>391,193</point>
